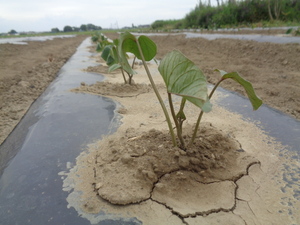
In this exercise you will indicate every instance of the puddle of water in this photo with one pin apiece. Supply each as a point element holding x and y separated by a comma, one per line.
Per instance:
<point>24,40</point>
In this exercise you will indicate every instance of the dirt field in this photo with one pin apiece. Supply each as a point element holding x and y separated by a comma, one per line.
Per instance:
<point>25,72</point>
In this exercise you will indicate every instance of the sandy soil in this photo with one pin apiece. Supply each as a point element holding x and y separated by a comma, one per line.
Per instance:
<point>232,174</point>
<point>25,72</point>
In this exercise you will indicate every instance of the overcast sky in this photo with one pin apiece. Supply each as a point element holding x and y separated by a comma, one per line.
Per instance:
<point>42,15</point>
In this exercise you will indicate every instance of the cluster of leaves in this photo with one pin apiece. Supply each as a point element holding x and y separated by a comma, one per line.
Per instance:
<point>236,13</point>
<point>115,52</point>
<point>83,27</point>
<point>181,76</point>
<point>167,24</point>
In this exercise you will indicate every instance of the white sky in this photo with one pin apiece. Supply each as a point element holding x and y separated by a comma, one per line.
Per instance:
<point>42,15</point>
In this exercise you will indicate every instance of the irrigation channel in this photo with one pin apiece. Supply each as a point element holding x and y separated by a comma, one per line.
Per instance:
<point>59,126</point>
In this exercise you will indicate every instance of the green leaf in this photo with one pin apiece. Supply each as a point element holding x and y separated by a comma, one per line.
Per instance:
<point>99,47</point>
<point>148,47</point>
<point>108,55</point>
<point>114,67</point>
<point>254,99</point>
<point>128,43</point>
<point>182,77</point>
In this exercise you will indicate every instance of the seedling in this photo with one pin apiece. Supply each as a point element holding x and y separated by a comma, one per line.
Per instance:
<point>114,58</point>
<point>182,78</point>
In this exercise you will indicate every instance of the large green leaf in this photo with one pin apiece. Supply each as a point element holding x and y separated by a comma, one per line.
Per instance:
<point>254,99</point>
<point>108,55</point>
<point>128,43</point>
<point>148,47</point>
<point>182,77</point>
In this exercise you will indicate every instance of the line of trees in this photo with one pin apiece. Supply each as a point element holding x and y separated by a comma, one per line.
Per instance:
<point>233,12</point>
<point>83,27</point>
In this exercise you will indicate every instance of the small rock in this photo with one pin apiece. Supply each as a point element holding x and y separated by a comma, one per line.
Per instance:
<point>177,154</point>
<point>126,158</point>
<point>183,162</point>
<point>149,174</point>
<point>98,186</point>
<point>82,83</point>
<point>195,161</point>
<point>122,110</point>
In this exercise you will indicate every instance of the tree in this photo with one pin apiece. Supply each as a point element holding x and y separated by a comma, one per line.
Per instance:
<point>55,30</point>
<point>277,8</point>
<point>75,29</point>
<point>93,27</point>
<point>83,27</point>
<point>12,32</point>
<point>68,29</point>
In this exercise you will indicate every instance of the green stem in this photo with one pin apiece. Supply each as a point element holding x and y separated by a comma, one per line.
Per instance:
<point>133,62</point>
<point>181,119</point>
<point>178,127</point>
<point>201,113</point>
<point>123,75</point>
<point>129,77</point>
<point>157,95</point>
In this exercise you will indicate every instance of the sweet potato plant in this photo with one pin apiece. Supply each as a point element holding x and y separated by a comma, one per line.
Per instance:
<point>114,58</point>
<point>182,78</point>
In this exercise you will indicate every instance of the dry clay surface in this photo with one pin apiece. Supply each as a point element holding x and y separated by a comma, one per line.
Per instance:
<point>25,72</point>
<point>233,174</point>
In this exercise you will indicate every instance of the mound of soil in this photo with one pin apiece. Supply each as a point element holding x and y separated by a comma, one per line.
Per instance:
<point>129,169</point>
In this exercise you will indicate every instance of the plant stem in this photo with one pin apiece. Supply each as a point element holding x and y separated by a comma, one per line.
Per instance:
<point>178,126</point>
<point>123,75</point>
<point>129,78</point>
<point>133,62</point>
<point>157,95</point>
<point>181,113</point>
<point>201,113</point>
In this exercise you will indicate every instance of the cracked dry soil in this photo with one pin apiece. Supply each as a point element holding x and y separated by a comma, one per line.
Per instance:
<point>227,177</point>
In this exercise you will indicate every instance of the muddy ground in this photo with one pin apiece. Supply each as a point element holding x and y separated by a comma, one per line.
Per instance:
<point>25,72</point>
